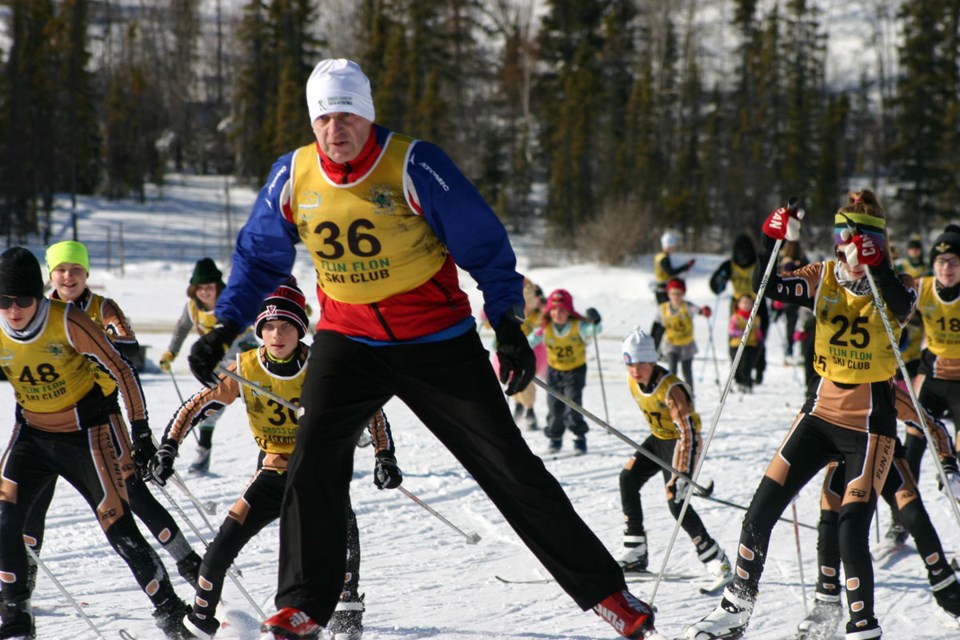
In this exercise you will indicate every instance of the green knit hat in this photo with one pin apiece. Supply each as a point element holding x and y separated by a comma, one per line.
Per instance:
<point>205,272</point>
<point>67,251</point>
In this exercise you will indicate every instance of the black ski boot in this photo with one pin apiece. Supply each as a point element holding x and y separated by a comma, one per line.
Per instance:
<point>169,616</point>
<point>17,619</point>
<point>189,568</point>
<point>949,599</point>
<point>346,623</point>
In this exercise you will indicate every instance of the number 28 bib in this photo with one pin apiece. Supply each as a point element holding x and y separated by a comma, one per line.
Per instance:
<point>366,241</point>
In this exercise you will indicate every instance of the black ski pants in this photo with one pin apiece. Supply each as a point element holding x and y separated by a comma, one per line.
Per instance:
<point>89,461</point>
<point>450,386</point>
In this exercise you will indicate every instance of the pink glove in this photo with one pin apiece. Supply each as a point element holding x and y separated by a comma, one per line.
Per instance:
<point>706,312</point>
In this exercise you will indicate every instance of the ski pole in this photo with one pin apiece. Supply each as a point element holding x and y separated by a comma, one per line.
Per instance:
<point>792,207</point>
<point>231,571</point>
<point>796,536</point>
<point>603,391</point>
<point>706,351</point>
<point>63,591</point>
<point>472,538</point>
<point>697,489</point>
<point>712,498</point>
<point>180,397</point>
<point>921,416</point>
<point>256,387</point>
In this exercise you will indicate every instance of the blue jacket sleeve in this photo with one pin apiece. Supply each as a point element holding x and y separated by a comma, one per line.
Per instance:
<point>264,254</point>
<point>468,227</point>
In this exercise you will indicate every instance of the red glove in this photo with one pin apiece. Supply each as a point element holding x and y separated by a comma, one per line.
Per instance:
<point>783,224</point>
<point>691,262</point>
<point>862,250</point>
<point>706,312</point>
<point>778,305</point>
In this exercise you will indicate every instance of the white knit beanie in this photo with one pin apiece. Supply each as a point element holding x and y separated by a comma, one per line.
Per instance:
<point>638,348</point>
<point>338,85</point>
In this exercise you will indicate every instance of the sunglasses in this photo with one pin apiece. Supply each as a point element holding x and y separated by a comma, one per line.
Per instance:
<point>21,301</point>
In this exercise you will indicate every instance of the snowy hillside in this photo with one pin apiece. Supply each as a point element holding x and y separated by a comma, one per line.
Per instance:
<point>422,581</point>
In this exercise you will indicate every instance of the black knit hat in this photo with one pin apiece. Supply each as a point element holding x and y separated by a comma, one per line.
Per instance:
<point>286,303</point>
<point>205,272</point>
<point>20,273</point>
<point>946,242</point>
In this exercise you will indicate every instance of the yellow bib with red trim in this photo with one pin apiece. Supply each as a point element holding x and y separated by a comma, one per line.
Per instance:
<point>366,241</point>
<point>274,426</point>
<point>655,409</point>
<point>47,373</point>
<point>851,345</point>
<point>565,352</point>
<point>941,321</point>
<point>677,326</point>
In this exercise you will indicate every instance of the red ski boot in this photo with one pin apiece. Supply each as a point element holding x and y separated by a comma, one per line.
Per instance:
<point>628,614</point>
<point>291,624</point>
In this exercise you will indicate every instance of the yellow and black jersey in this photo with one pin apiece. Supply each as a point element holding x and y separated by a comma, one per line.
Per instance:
<point>677,324</point>
<point>53,375</point>
<point>666,404</point>
<point>941,327</point>
<point>203,320</point>
<point>566,351</point>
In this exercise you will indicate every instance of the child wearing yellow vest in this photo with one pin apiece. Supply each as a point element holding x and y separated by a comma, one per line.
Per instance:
<point>565,333</point>
<point>206,284</point>
<point>65,417</point>
<point>738,325</point>
<point>278,366</point>
<point>673,329</point>
<point>68,265</point>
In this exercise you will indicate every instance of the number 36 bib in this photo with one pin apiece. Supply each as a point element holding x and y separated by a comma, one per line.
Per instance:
<point>366,241</point>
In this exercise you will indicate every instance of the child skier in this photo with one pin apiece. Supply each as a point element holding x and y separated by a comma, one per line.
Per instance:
<point>533,302</point>
<point>69,267</point>
<point>65,418</point>
<point>849,413</point>
<point>673,329</point>
<point>206,283</point>
<point>675,438</point>
<point>564,332</point>
<point>279,365</point>
<point>663,269</point>
<point>738,326</point>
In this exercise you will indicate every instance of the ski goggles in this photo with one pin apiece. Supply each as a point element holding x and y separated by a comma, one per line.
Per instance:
<point>21,301</point>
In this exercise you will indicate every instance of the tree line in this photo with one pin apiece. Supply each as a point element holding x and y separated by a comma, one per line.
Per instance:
<point>609,120</point>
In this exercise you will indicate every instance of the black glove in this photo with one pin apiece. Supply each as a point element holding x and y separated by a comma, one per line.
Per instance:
<point>593,315</point>
<point>142,448</point>
<point>161,465</point>
<point>207,352</point>
<point>516,356</point>
<point>386,473</point>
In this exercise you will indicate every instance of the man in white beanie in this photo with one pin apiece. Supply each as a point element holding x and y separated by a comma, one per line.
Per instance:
<point>387,220</point>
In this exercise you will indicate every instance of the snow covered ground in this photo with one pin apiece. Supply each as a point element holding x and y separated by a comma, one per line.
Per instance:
<point>420,577</point>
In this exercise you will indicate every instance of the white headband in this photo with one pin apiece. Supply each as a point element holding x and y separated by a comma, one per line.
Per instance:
<point>339,86</point>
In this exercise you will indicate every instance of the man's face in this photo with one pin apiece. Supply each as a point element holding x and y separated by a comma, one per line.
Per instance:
<point>341,136</point>
<point>17,316</point>
<point>69,280</point>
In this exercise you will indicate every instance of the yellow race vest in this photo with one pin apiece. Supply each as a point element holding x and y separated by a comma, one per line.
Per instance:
<point>567,352</point>
<point>48,375</point>
<point>941,321</point>
<point>274,426</point>
<point>851,343</point>
<point>741,323</point>
<point>531,322</point>
<point>659,274</point>
<point>204,321</point>
<point>655,409</point>
<point>366,241</point>
<point>677,326</point>
<point>907,267</point>
<point>741,279</point>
